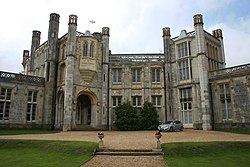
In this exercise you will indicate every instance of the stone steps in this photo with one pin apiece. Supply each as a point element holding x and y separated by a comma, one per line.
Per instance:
<point>84,128</point>
<point>129,152</point>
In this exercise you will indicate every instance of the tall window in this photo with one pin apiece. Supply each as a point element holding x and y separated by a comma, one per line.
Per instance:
<point>63,52</point>
<point>136,101</point>
<point>48,71</point>
<point>156,101</point>
<point>155,75</point>
<point>136,74</point>
<point>116,101</point>
<point>92,50</point>
<point>62,73</point>
<point>85,49</point>
<point>5,100</point>
<point>186,105</point>
<point>183,67</point>
<point>225,100</point>
<point>31,107</point>
<point>182,50</point>
<point>117,75</point>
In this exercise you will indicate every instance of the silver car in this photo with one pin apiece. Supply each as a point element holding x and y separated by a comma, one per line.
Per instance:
<point>171,126</point>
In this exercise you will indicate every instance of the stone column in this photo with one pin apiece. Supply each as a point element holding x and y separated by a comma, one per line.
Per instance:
<point>167,78</point>
<point>203,72</point>
<point>146,83</point>
<point>218,34</point>
<point>69,74</point>
<point>51,71</point>
<point>35,43</point>
<point>106,119</point>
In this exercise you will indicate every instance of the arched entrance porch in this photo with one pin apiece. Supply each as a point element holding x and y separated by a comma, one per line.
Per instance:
<point>83,110</point>
<point>85,116</point>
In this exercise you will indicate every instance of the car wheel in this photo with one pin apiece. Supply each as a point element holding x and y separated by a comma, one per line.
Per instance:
<point>181,129</point>
<point>171,129</point>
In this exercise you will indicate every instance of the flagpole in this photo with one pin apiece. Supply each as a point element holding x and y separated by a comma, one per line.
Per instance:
<point>92,22</point>
<point>88,24</point>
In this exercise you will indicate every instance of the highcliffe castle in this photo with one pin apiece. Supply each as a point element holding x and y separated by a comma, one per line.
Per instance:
<point>74,82</point>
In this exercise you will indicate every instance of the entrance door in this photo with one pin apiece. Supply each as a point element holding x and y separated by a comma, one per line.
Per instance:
<point>83,112</point>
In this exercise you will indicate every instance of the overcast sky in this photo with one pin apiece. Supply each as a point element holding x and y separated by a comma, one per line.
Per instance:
<point>135,25</point>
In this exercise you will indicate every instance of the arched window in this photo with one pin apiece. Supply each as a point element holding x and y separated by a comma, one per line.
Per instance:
<point>92,50</point>
<point>85,49</point>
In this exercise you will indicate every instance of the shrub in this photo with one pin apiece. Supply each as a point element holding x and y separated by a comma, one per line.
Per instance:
<point>148,117</point>
<point>126,117</point>
<point>130,118</point>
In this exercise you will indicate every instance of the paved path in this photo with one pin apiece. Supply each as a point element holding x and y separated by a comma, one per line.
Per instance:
<point>133,140</point>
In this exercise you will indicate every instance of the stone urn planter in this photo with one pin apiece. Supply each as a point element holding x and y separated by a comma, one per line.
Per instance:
<point>100,135</point>
<point>158,136</point>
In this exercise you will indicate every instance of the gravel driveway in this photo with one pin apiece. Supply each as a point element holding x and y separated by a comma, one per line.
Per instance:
<point>136,139</point>
<point>133,140</point>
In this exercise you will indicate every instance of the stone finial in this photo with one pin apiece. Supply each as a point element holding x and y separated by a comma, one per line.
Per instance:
<point>25,53</point>
<point>36,33</point>
<point>73,19</point>
<point>105,31</point>
<point>198,20</point>
<point>25,57</point>
<point>217,33</point>
<point>166,32</point>
<point>54,17</point>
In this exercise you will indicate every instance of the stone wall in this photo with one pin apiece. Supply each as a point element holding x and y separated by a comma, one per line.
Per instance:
<point>238,80</point>
<point>20,85</point>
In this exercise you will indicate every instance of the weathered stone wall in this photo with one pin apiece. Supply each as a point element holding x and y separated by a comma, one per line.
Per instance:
<point>20,86</point>
<point>238,79</point>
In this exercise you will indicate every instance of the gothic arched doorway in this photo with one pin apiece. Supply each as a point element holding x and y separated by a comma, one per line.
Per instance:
<point>83,110</point>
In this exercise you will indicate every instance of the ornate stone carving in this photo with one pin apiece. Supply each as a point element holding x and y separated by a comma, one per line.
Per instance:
<point>105,31</point>
<point>156,92</point>
<point>217,33</point>
<point>72,19</point>
<point>166,32</point>
<point>198,20</point>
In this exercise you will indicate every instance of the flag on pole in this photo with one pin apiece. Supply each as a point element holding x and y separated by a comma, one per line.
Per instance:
<point>92,21</point>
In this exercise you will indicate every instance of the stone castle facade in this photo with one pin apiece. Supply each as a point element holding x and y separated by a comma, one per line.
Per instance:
<point>74,82</point>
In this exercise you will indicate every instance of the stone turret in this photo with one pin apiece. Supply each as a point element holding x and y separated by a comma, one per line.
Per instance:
<point>218,34</point>
<point>107,116</point>
<point>203,72</point>
<point>166,44</point>
<point>51,70</point>
<point>35,43</point>
<point>69,74</point>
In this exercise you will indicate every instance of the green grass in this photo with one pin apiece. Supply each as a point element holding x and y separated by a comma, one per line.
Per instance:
<point>20,132</point>
<point>207,154</point>
<point>38,153</point>
<point>239,131</point>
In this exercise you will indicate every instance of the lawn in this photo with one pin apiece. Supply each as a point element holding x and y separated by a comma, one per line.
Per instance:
<point>38,153</point>
<point>207,154</point>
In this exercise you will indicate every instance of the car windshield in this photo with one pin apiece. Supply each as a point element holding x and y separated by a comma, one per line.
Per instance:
<point>168,122</point>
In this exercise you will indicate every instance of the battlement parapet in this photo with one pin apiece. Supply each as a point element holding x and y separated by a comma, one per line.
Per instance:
<point>136,58</point>
<point>230,72</point>
<point>13,77</point>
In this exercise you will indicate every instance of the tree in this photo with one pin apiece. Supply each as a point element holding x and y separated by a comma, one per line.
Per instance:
<point>149,119</point>
<point>126,117</point>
